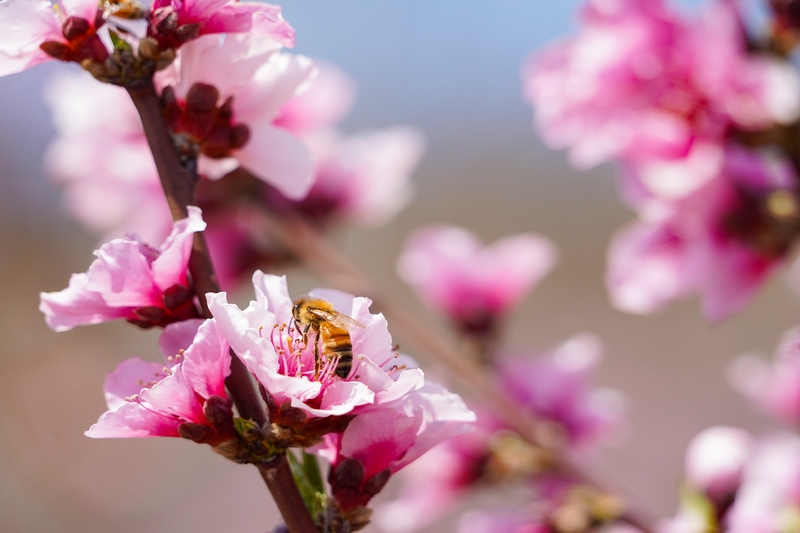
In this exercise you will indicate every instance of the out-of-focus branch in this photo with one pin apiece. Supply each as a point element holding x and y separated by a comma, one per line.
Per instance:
<point>180,188</point>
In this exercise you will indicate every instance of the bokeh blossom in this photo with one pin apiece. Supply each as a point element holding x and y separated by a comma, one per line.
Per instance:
<point>557,390</point>
<point>775,388</point>
<point>644,84</point>
<point>722,241</point>
<point>130,280</point>
<point>472,284</point>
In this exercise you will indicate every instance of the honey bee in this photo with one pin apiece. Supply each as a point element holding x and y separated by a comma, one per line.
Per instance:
<point>124,9</point>
<point>331,328</point>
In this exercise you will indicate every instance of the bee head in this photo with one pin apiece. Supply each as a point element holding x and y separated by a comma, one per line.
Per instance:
<point>297,308</point>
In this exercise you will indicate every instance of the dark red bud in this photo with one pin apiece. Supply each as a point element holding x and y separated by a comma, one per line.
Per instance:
<point>376,483</point>
<point>75,28</point>
<point>196,432</point>
<point>202,98</point>
<point>150,313</point>
<point>348,474</point>
<point>219,413</point>
<point>240,134</point>
<point>176,296</point>
<point>57,50</point>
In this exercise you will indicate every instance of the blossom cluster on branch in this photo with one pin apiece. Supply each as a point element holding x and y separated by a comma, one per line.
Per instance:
<point>194,127</point>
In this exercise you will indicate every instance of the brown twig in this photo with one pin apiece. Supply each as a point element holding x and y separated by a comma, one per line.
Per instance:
<point>305,243</point>
<point>180,187</point>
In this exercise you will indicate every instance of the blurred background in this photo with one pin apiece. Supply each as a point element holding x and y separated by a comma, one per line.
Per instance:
<point>451,69</point>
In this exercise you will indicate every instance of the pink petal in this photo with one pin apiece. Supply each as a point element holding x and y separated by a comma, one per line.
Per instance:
<point>129,378</point>
<point>76,306</point>
<point>174,396</point>
<point>24,25</point>
<point>170,267</point>
<point>255,19</point>
<point>122,274</point>
<point>177,337</point>
<point>134,420</point>
<point>207,362</point>
<point>279,159</point>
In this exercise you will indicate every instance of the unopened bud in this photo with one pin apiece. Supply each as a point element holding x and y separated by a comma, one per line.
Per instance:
<point>348,474</point>
<point>148,48</point>
<point>196,432</point>
<point>187,32</point>
<point>75,27</point>
<point>97,70</point>
<point>56,50</point>
<point>176,296</point>
<point>165,19</point>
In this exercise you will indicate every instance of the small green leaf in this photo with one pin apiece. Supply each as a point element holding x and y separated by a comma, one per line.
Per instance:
<point>311,468</point>
<point>309,482</point>
<point>119,43</point>
<point>244,427</point>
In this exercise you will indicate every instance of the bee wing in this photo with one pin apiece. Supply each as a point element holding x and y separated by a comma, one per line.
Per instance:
<point>336,318</point>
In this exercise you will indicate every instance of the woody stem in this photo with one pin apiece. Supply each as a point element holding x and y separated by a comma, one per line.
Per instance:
<point>180,187</point>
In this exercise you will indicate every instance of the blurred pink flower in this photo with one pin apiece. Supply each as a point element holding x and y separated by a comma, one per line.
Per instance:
<point>130,280</point>
<point>774,389</point>
<point>376,444</point>
<point>258,80</point>
<point>722,240</point>
<point>768,500</point>
<point>715,460</point>
<point>68,28</point>
<point>218,16</point>
<point>147,399</point>
<point>505,520</point>
<point>362,179</point>
<point>642,84</point>
<point>325,101</point>
<point>558,388</point>
<point>103,161</point>
<point>265,338</point>
<point>474,285</point>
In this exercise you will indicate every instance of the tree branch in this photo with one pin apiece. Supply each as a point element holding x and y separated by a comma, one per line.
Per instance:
<point>180,187</point>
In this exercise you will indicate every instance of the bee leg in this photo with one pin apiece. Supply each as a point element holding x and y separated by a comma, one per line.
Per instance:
<point>317,366</point>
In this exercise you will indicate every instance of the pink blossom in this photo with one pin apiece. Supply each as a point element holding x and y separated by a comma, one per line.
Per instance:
<point>776,388</point>
<point>259,80</point>
<point>721,241</point>
<point>68,27</point>
<point>646,85</point>
<point>103,161</point>
<point>767,501</point>
<point>148,399</point>
<point>219,16</point>
<point>378,443</point>
<point>362,179</point>
<point>473,284</point>
<point>325,101</point>
<point>715,460</point>
<point>130,280</point>
<point>558,388</point>
<point>265,338</point>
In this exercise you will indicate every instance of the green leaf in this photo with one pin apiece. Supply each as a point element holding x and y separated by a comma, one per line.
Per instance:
<point>244,427</point>
<point>309,482</point>
<point>119,43</point>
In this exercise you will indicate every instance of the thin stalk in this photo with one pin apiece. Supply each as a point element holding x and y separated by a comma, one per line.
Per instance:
<point>180,188</point>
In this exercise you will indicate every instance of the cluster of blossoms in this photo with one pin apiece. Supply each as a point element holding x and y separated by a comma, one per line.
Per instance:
<point>739,484</point>
<point>699,120</point>
<point>261,124</point>
<point>477,287</point>
<point>369,423</point>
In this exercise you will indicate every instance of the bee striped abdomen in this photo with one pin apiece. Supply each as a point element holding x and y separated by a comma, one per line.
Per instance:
<point>336,343</point>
